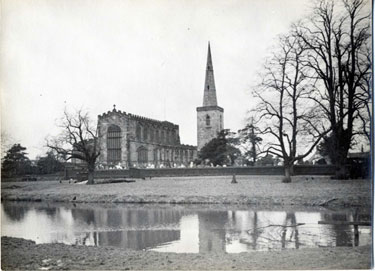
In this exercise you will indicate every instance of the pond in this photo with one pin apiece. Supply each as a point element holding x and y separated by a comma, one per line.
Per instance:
<point>183,228</point>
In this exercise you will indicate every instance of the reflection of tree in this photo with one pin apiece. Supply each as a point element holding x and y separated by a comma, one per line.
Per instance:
<point>49,211</point>
<point>255,232</point>
<point>342,233</point>
<point>14,211</point>
<point>85,215</point>
<point>212,231</point>
<point>291,223</point>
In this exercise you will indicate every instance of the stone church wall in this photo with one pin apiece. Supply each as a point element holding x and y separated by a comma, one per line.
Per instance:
<point>145,142</point>
<point>106,120</point>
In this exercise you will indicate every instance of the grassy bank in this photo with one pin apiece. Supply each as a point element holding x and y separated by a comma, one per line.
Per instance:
<point>254,190</point>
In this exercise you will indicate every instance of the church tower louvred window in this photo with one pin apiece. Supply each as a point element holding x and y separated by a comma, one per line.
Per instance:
<point>208,120</point>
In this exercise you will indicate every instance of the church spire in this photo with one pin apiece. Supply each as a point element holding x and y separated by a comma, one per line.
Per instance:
<point>209,98</point>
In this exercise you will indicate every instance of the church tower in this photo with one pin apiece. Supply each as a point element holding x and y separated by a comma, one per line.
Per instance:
<point>210,116</point>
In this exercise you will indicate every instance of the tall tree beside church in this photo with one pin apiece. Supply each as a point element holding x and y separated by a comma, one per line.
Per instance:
<point>337,38</point>
<point>78,139</point>
<point>221,150</point>
<point>285,116</point>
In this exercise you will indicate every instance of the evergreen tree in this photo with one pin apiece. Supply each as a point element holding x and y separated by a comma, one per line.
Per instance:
<point>221,150</point>
<point>15,162</point>
<point>49,164</point>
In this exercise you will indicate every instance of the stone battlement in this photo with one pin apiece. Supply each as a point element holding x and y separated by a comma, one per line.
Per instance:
<point>138,118</point>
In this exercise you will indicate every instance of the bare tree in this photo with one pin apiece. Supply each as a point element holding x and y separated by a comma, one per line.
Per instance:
<point>78,139</point>
<point>285,113</point>
<point>337,38</point>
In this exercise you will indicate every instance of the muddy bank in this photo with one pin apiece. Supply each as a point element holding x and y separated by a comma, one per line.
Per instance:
<point>253,190</point>
<point>26,255</point>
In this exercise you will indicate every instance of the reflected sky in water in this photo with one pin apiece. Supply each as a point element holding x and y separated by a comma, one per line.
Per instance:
<point>182,229</point>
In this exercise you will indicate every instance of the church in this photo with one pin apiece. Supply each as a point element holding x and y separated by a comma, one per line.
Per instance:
<point>128,140</point>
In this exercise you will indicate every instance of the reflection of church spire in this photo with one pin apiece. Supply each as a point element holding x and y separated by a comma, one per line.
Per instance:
<point>209,98</point>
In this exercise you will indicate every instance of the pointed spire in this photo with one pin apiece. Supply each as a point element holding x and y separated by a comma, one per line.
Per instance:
<point>209,58</point>
<point>209,98</point>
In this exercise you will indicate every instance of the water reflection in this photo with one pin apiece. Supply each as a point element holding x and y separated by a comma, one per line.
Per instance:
<point>181,229</point>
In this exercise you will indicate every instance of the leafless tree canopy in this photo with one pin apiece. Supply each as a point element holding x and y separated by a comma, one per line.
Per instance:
<point>78,139</point>
<point>318,82</point>
<point>285,111</point>
<point>337,38</point>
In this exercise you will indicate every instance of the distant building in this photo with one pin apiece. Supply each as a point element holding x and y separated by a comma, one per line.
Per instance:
<point>127,140</point>
<point>210,116</point>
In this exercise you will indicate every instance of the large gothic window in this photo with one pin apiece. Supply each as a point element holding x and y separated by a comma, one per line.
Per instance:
<point>142,155</point>
<point>113,144</point>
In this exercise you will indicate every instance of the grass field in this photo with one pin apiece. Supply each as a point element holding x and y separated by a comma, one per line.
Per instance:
<point>258,190</point>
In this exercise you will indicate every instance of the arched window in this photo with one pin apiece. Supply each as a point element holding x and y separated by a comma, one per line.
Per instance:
<point>162,136</point>
<point>113,144</point>
<point>138,132</point>
<point>157,136</point>
<point>208,120</point>
<point>142,155</point>
<point>145,134</point>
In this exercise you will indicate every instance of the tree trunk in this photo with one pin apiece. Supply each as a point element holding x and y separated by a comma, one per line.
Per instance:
<point>341,172</point>
<point>288,169</point>
<point>91,169</point>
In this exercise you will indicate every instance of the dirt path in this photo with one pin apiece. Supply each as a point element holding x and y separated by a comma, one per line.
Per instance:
<point>254,190</point>
<point>26,255</point>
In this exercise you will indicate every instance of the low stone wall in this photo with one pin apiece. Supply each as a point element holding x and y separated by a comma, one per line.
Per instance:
<point>222,171</point>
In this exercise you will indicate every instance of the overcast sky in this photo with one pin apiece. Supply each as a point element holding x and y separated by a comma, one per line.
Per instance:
<point>147,57</point>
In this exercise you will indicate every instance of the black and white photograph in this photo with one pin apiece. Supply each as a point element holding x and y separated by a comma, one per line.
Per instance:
<point>186,134</point>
